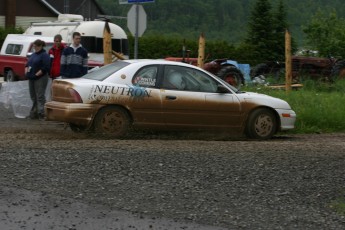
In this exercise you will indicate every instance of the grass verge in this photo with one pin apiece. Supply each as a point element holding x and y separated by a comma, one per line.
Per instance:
<point>320,107</point>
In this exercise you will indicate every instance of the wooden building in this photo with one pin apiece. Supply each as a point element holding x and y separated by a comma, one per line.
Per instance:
<point>21,13</point>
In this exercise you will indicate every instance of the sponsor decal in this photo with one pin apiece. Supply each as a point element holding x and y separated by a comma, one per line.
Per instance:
<point>145,81</point>
<point>106,93</point>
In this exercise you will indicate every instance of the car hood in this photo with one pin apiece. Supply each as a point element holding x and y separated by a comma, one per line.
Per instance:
<point>263,99</point>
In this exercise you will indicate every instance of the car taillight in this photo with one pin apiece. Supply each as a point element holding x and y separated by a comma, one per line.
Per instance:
<point>75,95</point>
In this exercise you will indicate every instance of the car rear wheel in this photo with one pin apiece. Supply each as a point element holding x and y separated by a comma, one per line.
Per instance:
<point>9,76</point>
<point>112,121</point>
<point>262,124</point>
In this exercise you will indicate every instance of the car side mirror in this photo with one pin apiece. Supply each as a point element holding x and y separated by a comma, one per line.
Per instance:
<point>28,54</point>
<point>222,89</point>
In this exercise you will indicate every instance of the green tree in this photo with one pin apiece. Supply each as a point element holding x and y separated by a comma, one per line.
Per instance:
<point>261,32</point>
<point>326,34</point>
<point>280,26</point>
<point>5,31</point>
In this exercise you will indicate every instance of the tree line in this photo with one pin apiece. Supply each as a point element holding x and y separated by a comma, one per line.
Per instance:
<point>174,24</point>
<point>250,31</point>
<point>219,19</point>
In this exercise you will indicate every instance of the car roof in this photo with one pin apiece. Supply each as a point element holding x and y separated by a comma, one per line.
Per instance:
<point>23,40</point>
<point>159,62</point>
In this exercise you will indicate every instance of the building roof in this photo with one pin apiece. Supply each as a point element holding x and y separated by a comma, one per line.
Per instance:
<point>52,8</point>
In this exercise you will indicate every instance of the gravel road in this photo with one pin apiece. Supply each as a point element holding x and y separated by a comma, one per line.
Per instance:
<point>52,178</point>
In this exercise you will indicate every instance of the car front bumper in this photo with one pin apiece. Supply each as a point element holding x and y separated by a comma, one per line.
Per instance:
<point>287,119</point>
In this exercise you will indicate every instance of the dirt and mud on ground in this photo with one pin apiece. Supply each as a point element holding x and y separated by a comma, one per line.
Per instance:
<point>52,178</point>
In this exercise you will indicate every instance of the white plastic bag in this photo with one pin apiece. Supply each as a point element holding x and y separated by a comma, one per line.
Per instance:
<point>16,94</point>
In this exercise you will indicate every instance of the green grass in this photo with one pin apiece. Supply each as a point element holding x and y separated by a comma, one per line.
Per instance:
<point>338,205</point>
<point>320,107</point>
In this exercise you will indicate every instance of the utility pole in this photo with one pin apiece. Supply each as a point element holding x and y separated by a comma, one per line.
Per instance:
<point>66,6</point>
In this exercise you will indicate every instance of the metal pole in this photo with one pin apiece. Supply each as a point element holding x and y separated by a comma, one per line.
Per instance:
<point>136,31</point>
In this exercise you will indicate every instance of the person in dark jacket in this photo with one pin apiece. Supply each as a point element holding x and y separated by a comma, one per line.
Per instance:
<point>37,71</point>
<point>55,56</point>
<point>74,59</point>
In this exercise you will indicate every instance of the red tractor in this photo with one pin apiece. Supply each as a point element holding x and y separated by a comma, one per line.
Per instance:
<point>326,69</point>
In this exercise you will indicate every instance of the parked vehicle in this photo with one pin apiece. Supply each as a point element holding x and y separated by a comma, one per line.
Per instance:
<point>160,94</point>
<point>91,31</point>
<point>225,69</point>
<point>326,69</point>
<point>15,52</point>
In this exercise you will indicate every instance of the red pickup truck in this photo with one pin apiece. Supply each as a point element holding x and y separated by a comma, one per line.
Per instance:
<point>15,52</point>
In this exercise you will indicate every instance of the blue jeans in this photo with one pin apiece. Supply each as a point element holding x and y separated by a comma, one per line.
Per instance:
<point>37,89</point>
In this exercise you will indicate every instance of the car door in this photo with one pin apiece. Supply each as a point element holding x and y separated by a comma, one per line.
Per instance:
<point>195,102</point>
<point>146,101</point>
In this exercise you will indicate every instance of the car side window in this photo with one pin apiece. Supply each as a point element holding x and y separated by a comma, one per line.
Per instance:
<point>146,77</point>
<point>188,79</point>
<point>15,49</point>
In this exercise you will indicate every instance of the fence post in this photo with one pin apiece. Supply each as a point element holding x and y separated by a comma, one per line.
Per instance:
<point>201,53</point>
<point>288,64</point>
<point>107,49</point>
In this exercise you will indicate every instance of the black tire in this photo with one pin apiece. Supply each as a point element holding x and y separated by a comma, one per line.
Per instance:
<point>9,76</point>
<point>261,124</point>
<point>259,69</point>
<point>232,75</point>
<point>338,71</point>
<point>112,122</point>
<point>77,128</point>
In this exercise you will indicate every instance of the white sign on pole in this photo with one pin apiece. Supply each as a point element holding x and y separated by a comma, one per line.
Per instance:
<point>132,20</point>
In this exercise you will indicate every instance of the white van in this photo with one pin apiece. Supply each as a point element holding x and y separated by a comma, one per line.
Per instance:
<point>91,32</point>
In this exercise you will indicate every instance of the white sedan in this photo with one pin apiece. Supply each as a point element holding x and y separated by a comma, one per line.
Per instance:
<point>159,94</point>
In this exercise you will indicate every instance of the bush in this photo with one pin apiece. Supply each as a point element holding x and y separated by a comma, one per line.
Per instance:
<point>5,31</point>
<point>158,46</point>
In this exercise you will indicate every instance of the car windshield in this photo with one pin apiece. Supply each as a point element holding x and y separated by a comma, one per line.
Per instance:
<point>105,71</point>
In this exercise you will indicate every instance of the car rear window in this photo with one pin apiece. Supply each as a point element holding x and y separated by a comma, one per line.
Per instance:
<point>105,71</point>
<point>14,49</point>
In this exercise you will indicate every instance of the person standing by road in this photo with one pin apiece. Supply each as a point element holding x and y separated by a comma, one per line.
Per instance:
<point>55,56</point>
<point>37,71</point>
<point>74,59</point>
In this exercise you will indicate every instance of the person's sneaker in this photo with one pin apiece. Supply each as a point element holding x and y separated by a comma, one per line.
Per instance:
<point>33,116</point>
<point>41,117</point>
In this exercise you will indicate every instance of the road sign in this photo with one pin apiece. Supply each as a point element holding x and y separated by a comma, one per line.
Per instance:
<point>136,16</point>
<point>136,23</point>
<point>135,1</point>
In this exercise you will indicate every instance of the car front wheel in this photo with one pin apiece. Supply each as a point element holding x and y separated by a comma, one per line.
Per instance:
<point>261,124</point>
<point>112,121</point>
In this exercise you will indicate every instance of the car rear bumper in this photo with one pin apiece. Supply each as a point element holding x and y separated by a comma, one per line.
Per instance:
<point>74,113</point>
<point>287,119</point>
